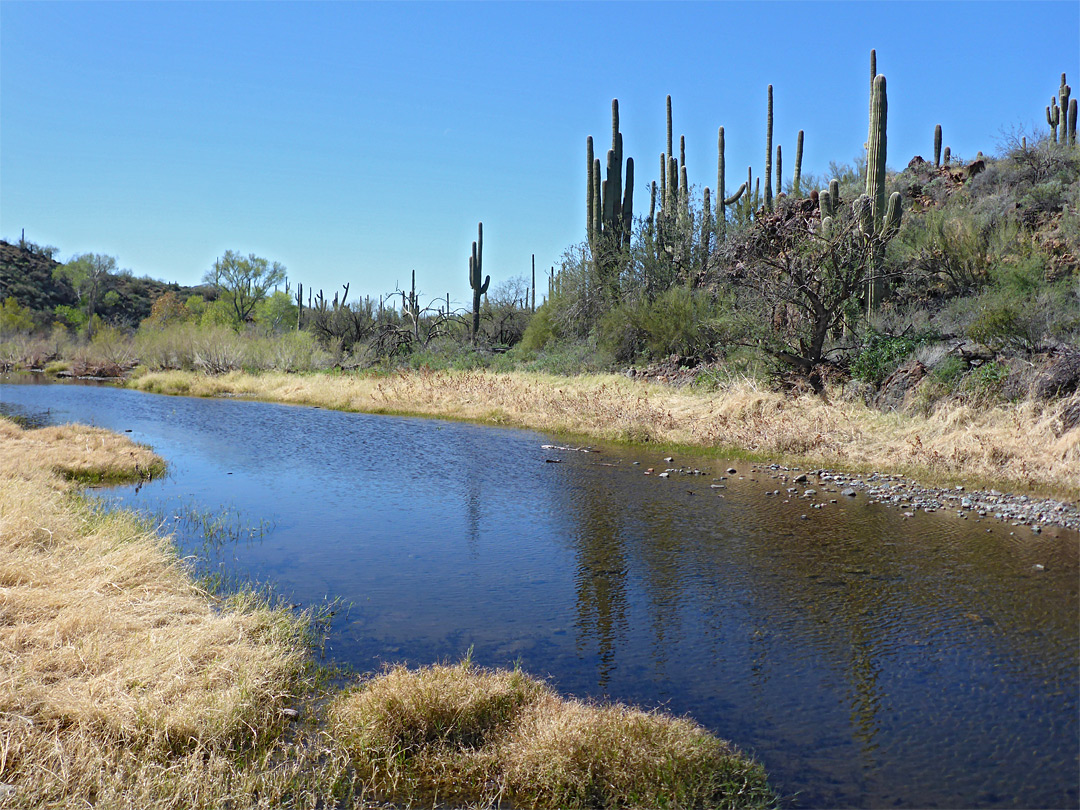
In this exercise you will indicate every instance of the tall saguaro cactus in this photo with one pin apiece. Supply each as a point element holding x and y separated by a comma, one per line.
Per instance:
<point>1064,115</point>
<point>768,154</point>
<point>881,220</point>
<point>937,146</point>
<point>609,201</point>
<point>476,266</point>
<point>795,191</point>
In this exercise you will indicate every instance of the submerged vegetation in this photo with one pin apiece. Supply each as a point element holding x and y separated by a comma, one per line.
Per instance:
<point>127,685</point>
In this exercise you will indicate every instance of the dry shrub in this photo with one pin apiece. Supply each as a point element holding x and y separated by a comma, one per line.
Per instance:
<point>478,737</point>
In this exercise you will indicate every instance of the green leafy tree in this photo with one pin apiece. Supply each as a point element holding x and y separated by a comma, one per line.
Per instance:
<point>14,318</point>
<point>87,274</point>
<point>244,281</point>
<point>276,313</point>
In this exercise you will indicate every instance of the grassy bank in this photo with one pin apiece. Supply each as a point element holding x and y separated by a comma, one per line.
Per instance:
<point>1021,447</point>
<point>125,685</point>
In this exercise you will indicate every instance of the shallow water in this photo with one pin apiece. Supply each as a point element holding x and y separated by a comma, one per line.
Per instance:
<point>865,658</point>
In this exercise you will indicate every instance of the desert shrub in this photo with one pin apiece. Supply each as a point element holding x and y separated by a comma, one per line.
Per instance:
<point>566,356</point>
<point>944,250</point>
<point>948,372</point>
<point>881,355</point>
<point>680,321</point>
<point>999,323</point>
<point>542,329</point>
<point>168,347</point>
<point>988,377</point>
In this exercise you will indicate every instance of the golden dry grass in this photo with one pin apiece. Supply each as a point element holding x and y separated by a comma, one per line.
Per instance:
<point>465,735</point>
<point>1017,446</point>
<point>85,454</point>
<point>121,683</point>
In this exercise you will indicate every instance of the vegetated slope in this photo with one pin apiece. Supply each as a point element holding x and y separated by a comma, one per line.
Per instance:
<point>27,275</point>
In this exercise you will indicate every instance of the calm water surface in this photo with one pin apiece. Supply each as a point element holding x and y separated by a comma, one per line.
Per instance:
<point>866,659</point>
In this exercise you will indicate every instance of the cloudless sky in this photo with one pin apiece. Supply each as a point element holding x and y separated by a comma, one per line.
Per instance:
<point>357,141</point>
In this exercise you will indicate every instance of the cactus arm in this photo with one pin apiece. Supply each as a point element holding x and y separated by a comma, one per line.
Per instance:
<point>734,198</point>
<point>779,171</point>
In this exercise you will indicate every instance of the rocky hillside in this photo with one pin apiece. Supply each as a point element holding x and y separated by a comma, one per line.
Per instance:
<point>27,275</point>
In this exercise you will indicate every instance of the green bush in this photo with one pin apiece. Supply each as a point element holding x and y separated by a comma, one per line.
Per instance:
<point>999,324</point>
<point>541,330</point>
<point>949,372</point>
<point>681,321</point>
<point>881,356</point>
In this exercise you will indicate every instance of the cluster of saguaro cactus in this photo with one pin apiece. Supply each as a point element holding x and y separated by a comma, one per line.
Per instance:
<point>476,264</point>
<point>610,201</point>
<point>1061,115</point>
<point>881,220</point>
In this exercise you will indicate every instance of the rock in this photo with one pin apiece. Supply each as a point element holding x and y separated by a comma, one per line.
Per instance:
<point>731,471</point>
<point>849,492</point>
<point>1060,378</point>
<point>291,714</point>
<point>900,386</point>
<point>800,478</point>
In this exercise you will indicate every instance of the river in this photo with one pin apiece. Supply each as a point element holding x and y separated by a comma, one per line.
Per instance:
<point>866,658</point>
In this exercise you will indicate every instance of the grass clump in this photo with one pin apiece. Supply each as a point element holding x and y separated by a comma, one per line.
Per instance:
<point>478,737</point>
<point>123,684</point>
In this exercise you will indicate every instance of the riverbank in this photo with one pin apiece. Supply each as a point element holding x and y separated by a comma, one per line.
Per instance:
<point>1026,448</point>
<point>127,685</point>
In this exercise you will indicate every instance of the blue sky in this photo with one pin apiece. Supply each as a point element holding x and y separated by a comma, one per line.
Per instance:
<point>355,142</point>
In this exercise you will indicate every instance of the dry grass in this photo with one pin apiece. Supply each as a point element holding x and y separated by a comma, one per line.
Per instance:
<point>468,736</point>
<point>77,452</point>
<point>1021,447</point>
<point>122,684</point>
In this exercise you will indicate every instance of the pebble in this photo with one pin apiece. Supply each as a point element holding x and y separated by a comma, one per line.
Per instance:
<point>1019,510</point>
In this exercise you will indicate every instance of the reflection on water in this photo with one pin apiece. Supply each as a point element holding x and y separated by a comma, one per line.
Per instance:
<point>868,659</point>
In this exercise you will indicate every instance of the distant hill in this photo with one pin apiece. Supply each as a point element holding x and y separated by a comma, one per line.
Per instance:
<point>26,274</point>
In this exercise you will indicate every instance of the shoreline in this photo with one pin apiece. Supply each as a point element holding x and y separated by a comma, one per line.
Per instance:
<point>1010,462</point>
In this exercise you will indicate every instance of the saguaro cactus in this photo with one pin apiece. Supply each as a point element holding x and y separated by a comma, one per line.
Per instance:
<point>795,190</point>
<point>937,146</point>
<point>1072,122</point>
<point>779,171</point>
<point>476,266</point>
<point>1053,117</point>
<point>768,153</point>
<point>721,216</point>
<point>882,221</point>
<point>608,202</point>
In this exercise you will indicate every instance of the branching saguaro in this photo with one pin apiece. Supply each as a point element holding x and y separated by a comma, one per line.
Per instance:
<point>609,203</point>
<point>476,264</point>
